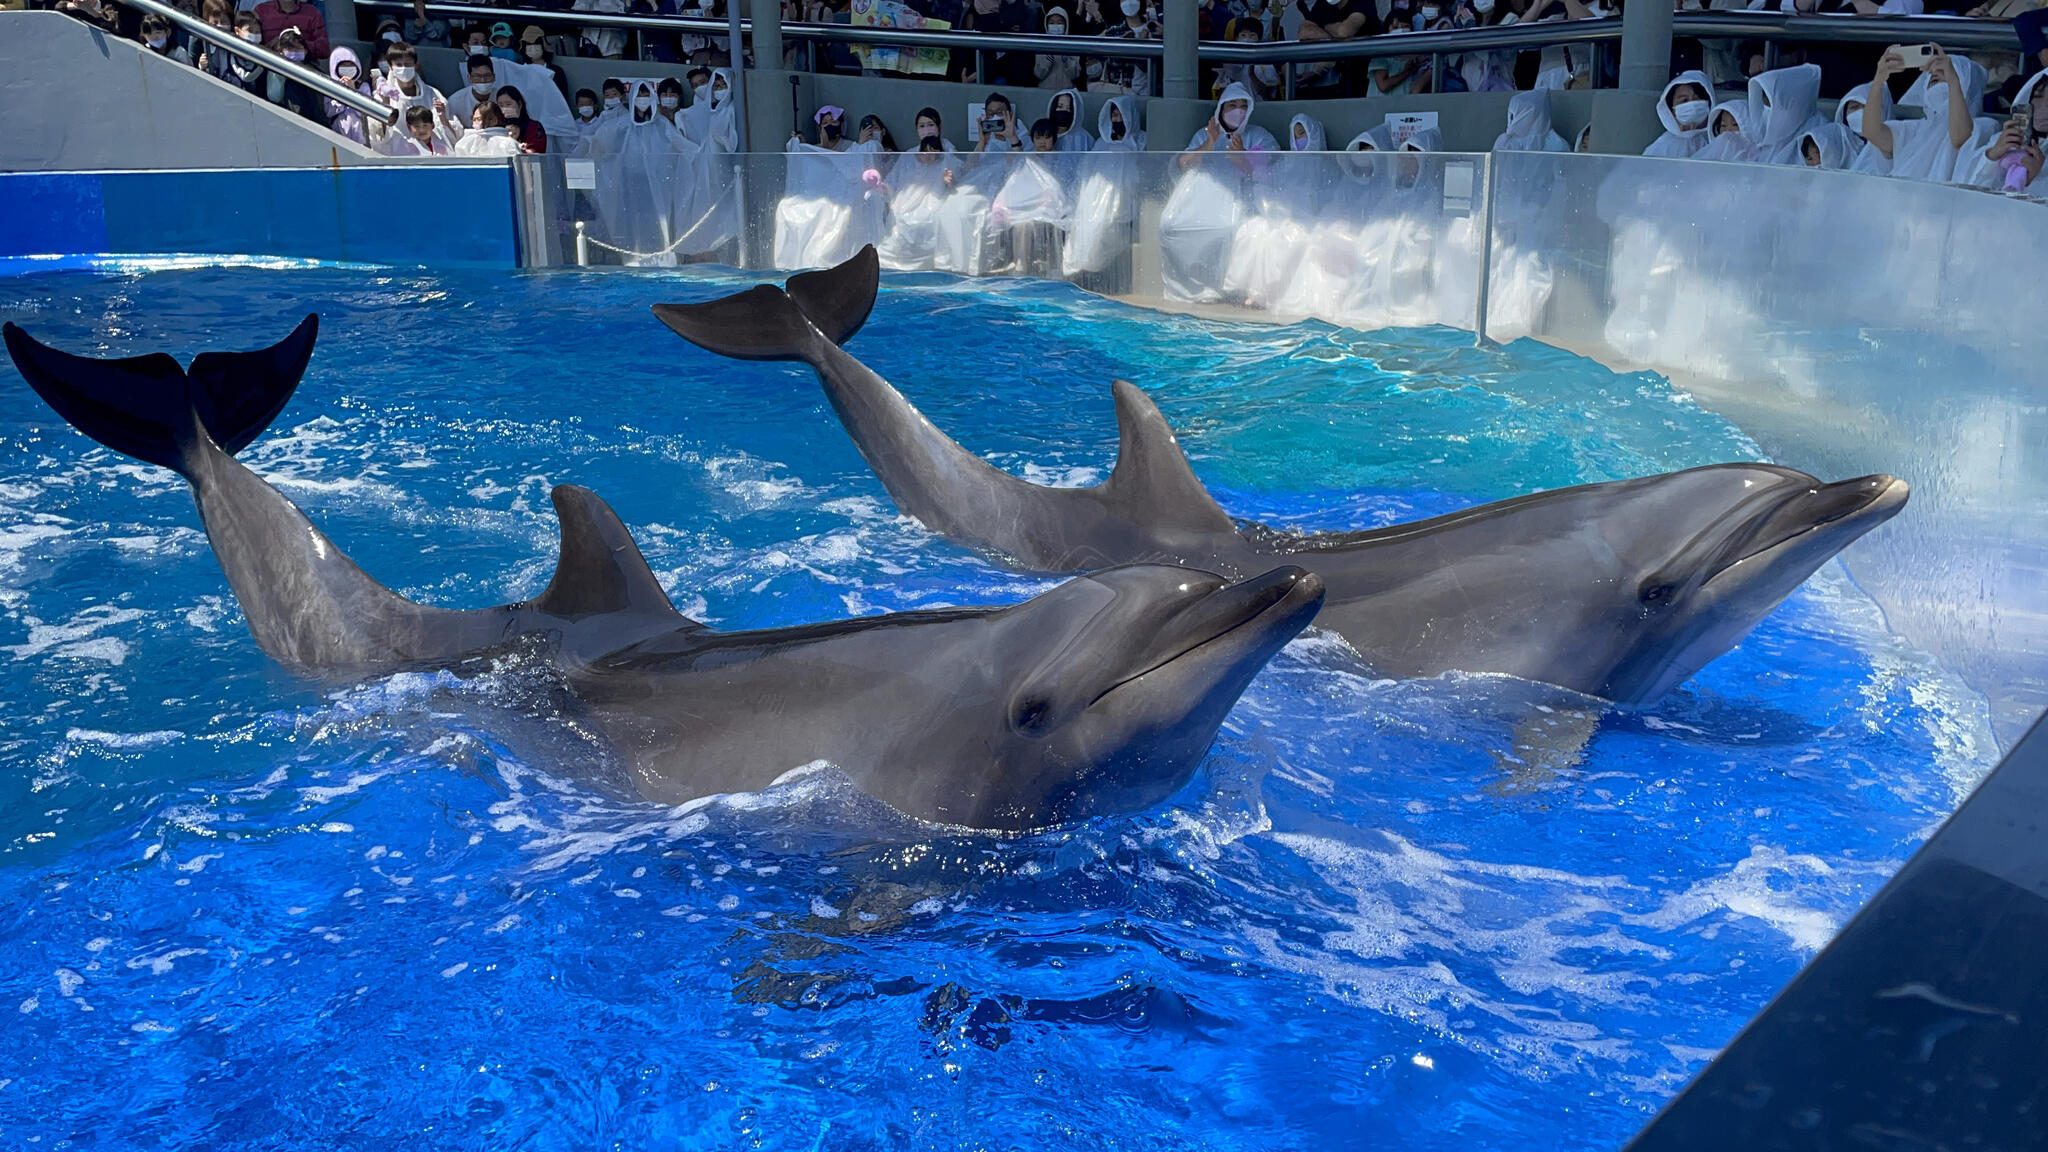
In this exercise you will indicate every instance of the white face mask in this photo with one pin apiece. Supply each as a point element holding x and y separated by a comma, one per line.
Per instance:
<point>1482,6</point>
<point>585,111</point>
<point>346,73</point>
<point>534,51</point>
<point>480,89</point>
<point>390,36</point>
<point>1233,118</point>
<point>157,43</point>
<point>642,104</point>
<point>671,103</point>
<point>1691,113</point>
<point>611,102</point>
<point>1055,29</point>
<point>509,117</point>
<point>699,91</point>
<point>253,37</point>
<point>1131,7</point>
<point>1430,12</point>
<point>403,73</point>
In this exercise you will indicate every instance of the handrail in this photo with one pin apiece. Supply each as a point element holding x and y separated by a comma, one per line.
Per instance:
<point>1950,31</point>
<point>318,81</point>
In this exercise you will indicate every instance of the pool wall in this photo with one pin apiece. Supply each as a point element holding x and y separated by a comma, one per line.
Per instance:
<point>457,217</point>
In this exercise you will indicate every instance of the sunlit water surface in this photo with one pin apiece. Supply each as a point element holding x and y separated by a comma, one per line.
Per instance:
<point>241,912</point>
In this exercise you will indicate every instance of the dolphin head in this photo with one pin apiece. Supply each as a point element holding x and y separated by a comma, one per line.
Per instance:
<point>1125,675</point>
<point>1709,552</point>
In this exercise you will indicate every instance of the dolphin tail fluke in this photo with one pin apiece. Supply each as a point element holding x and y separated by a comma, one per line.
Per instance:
<point>769,323</point>
<point>151,409</point>
<point>762,323</point>
<point>601,569</point>
<point>837,300</point>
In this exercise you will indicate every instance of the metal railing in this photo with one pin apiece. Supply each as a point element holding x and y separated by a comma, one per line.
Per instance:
<point>1770,27</point>
<point>318,81</point>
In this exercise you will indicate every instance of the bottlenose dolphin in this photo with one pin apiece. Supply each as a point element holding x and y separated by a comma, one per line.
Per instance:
<point>1098,697</point>
<point>1620,590</point>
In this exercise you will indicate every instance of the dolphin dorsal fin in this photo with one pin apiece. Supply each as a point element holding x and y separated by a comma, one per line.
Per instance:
<point>1152,480</point>
<point>601,569</point>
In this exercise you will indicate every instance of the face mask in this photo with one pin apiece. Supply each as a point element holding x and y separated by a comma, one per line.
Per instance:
<point>642,104</point>
<point>829,131</point>
<point>403,73</point>
<point>1691,113</point>
<point>1301,143</point>
<point>389,36</point>
<point>507,114</point>
<point>1062,119</point>
<point>347,72</point>
<point>1430,12</point>
<point>585,111</point>
<point>699,91</point>
<point>534,51</point>
<point>295,57</point>
<point>1131,7</point>
<point>611,102</point>
<point>1055,29</point>
<point>670,103</point>
<point>1937,97</point>
<point>157,43</point>
<point>1233,119</point>
<point>480,89</point>
<point>253,37</point>
<point>1482,6</point>
<point>1116,131</point>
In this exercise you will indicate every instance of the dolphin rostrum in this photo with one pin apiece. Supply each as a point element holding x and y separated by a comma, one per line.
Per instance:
<point>1620,590</point>
<point>1098,697</point>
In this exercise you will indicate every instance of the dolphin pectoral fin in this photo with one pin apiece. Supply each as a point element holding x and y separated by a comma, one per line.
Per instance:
<point>139,406</point>
<point>762,323</point>
<point>238,394</point>
<point>837,300</point>
<point>601,569</point>
<point>1152,483</point>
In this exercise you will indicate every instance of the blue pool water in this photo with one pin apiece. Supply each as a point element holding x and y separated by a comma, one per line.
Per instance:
<point>244,913</point>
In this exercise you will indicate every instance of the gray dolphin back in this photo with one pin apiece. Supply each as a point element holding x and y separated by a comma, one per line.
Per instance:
<point>1151,509</point>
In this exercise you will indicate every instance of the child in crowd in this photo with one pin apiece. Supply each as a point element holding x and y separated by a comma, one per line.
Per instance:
<point>156,36</point>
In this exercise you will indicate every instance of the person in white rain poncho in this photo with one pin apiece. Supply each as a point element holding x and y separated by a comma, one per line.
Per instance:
<point>1782,107</point>
<point>1034,203</point>
<point>918,184</point>
<point>488,135</point>
<point>544,101</point>
<point>2012,160</point>
<point>644,186</point>
<point>1529,125</point>
<point>1927,149</point>
<point>963,218</point>
<point>835,200</point>
<point>1337,277</point>
<point>1829,146</point>
<point>1729,134</point>
<point>711,126</point>
<point>1207,203</point>
<point>1285,197</point>
<point>403,90</point>
<point>1065,114</point>
<point>1849,114</point>
<point>1683,108</point>
<point>1106,205</point>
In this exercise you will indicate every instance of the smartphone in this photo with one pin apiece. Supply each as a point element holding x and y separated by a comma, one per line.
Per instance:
<point>992,126</point>
<point>1915,55</point>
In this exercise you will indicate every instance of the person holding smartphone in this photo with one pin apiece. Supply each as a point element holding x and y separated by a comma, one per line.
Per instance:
<point>1925,149</point>
<point>2013,161</point>
<point>999,127</point>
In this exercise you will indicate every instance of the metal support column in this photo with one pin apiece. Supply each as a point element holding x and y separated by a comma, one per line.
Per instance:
<point>1182,69</point>
<point>1645,47</point>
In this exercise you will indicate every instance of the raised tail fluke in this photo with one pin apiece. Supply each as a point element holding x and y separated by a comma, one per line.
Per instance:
<point>769,323</point>
<point>149,408</point>
<point>837,300</point>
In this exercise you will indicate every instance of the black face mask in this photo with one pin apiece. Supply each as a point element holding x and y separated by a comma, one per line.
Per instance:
<point>830,131</point>
<point>1062,119</point>
<point>1116,130</point>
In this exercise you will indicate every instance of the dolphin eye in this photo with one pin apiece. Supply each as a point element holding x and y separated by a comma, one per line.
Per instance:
<point>1030,716</point>
<point>1655,592</point>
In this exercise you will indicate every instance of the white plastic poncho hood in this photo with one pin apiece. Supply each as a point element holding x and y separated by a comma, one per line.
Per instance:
<point>1314,137</point>
<point>713,122</point>
<point>1837,146</point>
<point>1075,138</point>
<point>1849,109</point>
<point>1529,127</point>
<point>1679,141</point>
<point>1256,139</point>
<point>1133,139</point>
<point>1783,103</point>
<point>1728,145</point>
